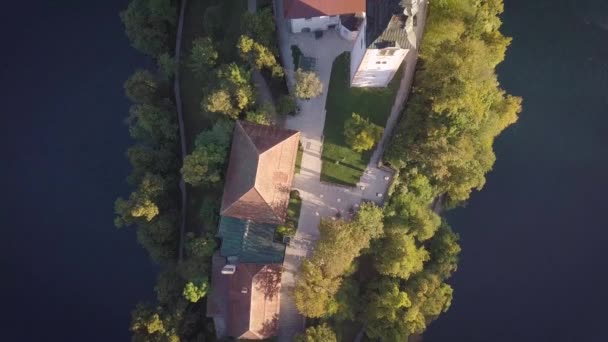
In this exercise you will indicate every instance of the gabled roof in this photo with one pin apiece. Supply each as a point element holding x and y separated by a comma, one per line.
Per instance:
<point>246,304</point>
<point>260,172</point>
<point>315,8</point>
<point>250,242</point>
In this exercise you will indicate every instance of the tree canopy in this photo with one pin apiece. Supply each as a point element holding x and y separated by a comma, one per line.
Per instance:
<point>361,135</point>
<point>319,333</point>
<point>233,93</point>
<point>308,85</point>
<point>150,25</point>
<point>341,242</point>
<point>204,165</point>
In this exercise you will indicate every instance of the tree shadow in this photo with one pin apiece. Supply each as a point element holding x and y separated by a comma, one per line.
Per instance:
<point>270,327</point>
<point>268,281</point>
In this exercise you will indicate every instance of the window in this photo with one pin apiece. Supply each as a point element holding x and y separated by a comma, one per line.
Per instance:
<point>308,19</point>
<point>384,62</point>
<point>378,62</point>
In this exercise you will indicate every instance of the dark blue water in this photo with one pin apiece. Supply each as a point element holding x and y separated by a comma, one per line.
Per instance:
<point>66,273</point>
<point>534,264</point>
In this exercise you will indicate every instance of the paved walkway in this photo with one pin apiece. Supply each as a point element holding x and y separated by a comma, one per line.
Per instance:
<point>320,199</point>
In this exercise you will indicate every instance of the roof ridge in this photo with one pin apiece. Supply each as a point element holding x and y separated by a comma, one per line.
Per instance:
<point>266,202</point>
<point>239,122</point>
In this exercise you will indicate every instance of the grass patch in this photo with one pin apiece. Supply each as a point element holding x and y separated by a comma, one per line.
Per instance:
<point>293,216</point>
<point>293,209</point>
<point>299,158</point>
<point>296,54</point>
<point>341,164</point>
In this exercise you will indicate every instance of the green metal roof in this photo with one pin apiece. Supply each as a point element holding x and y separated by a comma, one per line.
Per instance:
<point>249,241</point>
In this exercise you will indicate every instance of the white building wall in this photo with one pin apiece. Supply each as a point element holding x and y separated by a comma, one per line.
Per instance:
<point>313,24</point>
<point>359,48</point>
<point>378,67</point>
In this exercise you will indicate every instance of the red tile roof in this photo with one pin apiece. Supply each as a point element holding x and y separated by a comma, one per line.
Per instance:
<point>246,304</point>
<point>314,8</point>
<point>260,173</point>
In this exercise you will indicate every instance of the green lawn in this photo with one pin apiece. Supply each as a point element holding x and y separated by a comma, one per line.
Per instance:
<point>341,164</point>
<point>228,14</point>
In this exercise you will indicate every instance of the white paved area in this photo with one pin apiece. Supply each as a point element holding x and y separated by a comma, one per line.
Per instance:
<point>319,199</point>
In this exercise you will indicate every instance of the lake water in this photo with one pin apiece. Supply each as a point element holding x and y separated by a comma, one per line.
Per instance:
<point>533,265</point>
<point>67,273</point>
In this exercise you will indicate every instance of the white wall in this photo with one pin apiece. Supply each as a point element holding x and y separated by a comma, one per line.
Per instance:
<point>359,48</point>
<point>313,24</point>
<point>377,68</point>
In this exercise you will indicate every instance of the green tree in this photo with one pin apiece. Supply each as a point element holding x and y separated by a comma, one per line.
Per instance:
<point>258,55</point>
<point>141,87</point>
<point>150,25</point>
<point>146,319</point>
<point>399,256</point>
<point>204,164</point>
<point>361,135</point>
<point>286,105</point>
<point>141,203</point>
<point>203,56</point>
<point>166,65</point>
<point>387,305</point>
<point>153,123</point>
<point>160,237</point>
<point>259,116</point>
<point>308,85</point>
<point>201,247</point>
<point>444,250</point>
<point>233,93</point>
<point>194,291</point>
<point>261,26</point>
<point>319,333</point>
<point>341,242</point>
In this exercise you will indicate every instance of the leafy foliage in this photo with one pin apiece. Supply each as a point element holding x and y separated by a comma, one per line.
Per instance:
<point>319,333</point>
<point>141,87</point>
<point>259,56</point>
<point>167,65</point>
<point>204,164</point>
<point>308,85</point>
<point>399,255</point>
<point>150,25</point>
<point>233,93</point>
<point>203,56</point>
<point>194,291</point>
<point>340,242</point>
<point>361,135</point>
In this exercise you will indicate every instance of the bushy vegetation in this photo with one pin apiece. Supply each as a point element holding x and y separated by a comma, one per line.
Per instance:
<point>308,85</point>
<point>217,80</point>
<point>442,149</point>
<point>361,135</point>
<point>339,244</point>
<point>321,333</point>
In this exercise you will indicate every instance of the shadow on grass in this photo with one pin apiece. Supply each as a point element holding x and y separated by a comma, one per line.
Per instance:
<point>341,163</point>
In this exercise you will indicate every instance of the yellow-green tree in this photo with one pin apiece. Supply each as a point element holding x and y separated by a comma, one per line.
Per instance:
<point>361,135</point>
